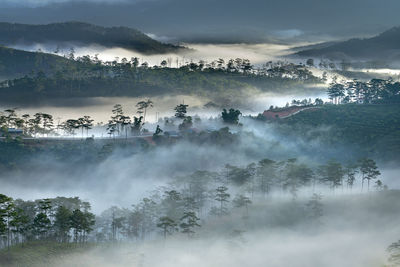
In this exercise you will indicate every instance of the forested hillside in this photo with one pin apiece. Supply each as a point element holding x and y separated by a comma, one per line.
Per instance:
<point>14,63</point>
<point>90,77</point>
<point>374,129</point>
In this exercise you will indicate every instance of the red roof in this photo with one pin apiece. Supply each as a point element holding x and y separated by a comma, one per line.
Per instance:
<point>281,113</point>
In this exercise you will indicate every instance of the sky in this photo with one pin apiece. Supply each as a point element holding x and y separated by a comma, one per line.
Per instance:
<point>222,21</point>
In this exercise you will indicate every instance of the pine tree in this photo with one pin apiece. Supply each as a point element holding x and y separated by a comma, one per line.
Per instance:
<point>62,223</point>
<point>6,214</point>
<point>222,197</point>
<point>167,225</point>
<point>180,111</point>
<point>242,201</point>
<point>189,221</point>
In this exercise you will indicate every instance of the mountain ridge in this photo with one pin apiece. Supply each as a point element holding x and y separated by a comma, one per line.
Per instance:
<point>384,46</point>
<point>82,33</point>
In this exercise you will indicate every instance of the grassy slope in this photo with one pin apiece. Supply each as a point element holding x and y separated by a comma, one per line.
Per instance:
<point>38,253</point>
<point>375,129</point>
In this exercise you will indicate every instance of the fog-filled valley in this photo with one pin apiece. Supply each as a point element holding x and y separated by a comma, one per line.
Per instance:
<point>125,146</point>
<point>249,188</point>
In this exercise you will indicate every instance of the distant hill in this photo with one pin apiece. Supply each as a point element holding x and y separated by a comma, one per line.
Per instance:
<point>385,46</point>
<point>82,33</point>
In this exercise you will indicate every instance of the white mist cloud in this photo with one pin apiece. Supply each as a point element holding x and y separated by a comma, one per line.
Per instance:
<point>164,39</point>
<point>274,249</point>
<point>258,54</point>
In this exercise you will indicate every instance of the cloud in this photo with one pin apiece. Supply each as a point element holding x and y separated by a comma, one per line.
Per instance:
<point>289,33</point>
<point>40,3</point>
<point>164,39</point>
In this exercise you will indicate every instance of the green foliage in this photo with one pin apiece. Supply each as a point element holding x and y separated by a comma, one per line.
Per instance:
<point>81,223</point>
<point>41,225</point>
<point>167,225</point>
<point>180,111</point>
<point>368,170</point>
<point>222,196</point>
<point>44,220</point>
<point>297,175</point>
<point>332,173</point>
<point>62,223</point>
<point>189,221</point>
<point>231,117</point>
<point>238,176</point>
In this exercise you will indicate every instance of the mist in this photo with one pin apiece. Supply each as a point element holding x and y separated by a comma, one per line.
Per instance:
<point>348,235</point>
<point>258,54</point>
<point>279,229</point>
<point>244,133</point>
<point>134,173</point>
<point>99,108</point>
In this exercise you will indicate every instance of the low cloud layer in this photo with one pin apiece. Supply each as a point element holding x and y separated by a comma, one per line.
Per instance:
<point>217,21</point>
<point>39,3</point>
